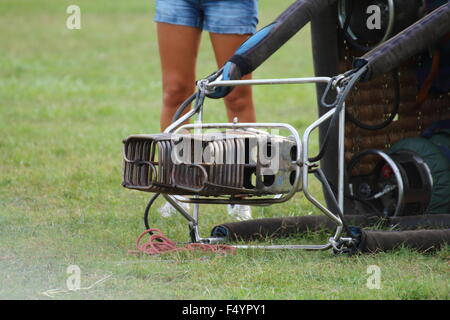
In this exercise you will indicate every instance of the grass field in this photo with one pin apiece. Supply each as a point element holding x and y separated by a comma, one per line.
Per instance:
<point>69,97</point>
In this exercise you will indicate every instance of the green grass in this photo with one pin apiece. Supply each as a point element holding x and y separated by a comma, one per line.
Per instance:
<point>68,98</point>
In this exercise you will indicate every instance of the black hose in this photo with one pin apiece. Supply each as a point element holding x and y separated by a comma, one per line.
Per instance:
<point>393,114</point>
<point>338,104</point>
<point>183,107</point>
<point>147,210</point>
<point>348,16</point>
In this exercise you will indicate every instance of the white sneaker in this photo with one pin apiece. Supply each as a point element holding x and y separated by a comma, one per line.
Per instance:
<point>240,212</point>
<point>167,210</point>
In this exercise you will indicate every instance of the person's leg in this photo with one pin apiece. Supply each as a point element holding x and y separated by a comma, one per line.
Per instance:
<point>178,49</point>
<point>239,102</point>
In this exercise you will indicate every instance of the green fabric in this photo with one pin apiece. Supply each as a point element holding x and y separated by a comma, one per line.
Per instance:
<point>439,166</point>
<point>442,138</point>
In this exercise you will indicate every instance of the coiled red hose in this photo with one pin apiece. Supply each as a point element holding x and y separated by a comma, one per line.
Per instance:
<point>158,243</point>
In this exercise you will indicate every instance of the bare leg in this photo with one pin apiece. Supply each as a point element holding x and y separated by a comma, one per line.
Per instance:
<point>178,49</point>
<point>239,102</point>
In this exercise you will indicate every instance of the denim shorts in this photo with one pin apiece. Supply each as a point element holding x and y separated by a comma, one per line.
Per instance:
<point>217,16</point>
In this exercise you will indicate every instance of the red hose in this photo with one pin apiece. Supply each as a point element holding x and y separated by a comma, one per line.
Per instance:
<point>158,244</point>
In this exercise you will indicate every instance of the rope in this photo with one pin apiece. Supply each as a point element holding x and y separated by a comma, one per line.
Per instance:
<point>435,64</point>
<point>158,243</point>
<point>425,90</point>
